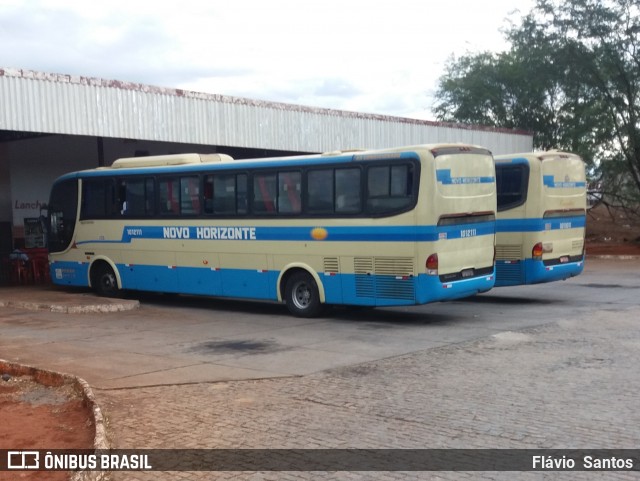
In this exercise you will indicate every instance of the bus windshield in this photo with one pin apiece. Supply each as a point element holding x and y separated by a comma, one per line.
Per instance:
<point>63,206</point>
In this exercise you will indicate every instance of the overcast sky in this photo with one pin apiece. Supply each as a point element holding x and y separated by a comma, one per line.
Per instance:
<point>374,56</point>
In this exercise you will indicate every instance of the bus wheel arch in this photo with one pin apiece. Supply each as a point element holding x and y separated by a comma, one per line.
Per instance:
<point>301,290</point>
<point>104,278</point>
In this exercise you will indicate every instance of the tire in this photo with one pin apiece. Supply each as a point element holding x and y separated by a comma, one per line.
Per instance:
<point>302,296</point>
<point>104,281</point>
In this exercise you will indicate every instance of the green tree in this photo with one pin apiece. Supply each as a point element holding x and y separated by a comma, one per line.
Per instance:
<point>572,76</point>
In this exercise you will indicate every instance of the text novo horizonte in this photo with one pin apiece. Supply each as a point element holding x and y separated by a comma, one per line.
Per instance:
<point>210,233</point>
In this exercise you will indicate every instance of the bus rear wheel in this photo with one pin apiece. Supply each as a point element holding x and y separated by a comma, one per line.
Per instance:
<point>302,296</point>
<point>104,281</point>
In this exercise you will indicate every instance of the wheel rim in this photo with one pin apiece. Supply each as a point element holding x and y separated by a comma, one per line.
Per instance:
<point>301,295</point>
<point>108,282</point>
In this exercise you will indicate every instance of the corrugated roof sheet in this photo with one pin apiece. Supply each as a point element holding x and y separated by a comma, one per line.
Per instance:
<point>66,104</point>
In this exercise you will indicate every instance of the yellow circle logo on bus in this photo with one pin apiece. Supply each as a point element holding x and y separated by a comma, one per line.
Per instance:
<point>319,233</point>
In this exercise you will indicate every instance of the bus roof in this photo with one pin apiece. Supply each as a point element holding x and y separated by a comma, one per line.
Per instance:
<point>192,162</point>
<point>546,155</point>
<point>164,160</point>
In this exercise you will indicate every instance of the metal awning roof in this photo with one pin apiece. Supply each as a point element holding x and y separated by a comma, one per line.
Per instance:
<point>46,103</point>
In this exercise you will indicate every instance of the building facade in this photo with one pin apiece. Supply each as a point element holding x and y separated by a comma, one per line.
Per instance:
<point>51,124</point>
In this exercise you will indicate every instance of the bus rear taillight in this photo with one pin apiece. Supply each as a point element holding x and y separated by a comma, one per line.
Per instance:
<point>432,265</point>
<point>537,250</point>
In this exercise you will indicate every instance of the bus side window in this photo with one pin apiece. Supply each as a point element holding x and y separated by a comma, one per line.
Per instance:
<point>149,196</point>
<point>389,188</point>
<point>207,194</point>
<point>264,193</point>
<point>133,201</point>
<point>121,196</point>
<point>242,200</point>
<point>169,196</point>
<point>347,191</point>
<point>320,191</point>
<point>224,194</point>
<point>97,199</point>
<point>189,195</point>
<point>511,182</point>
<point>289,195</point>
<point>139,197</point>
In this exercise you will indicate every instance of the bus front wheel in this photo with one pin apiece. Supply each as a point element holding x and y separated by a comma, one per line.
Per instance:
<point>301,295</point>
<point>104,281</point>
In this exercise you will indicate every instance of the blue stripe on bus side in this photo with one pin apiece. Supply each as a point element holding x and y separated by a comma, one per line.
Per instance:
<point>243,283</point>
<point>540,224</point>
<point>285,233</point>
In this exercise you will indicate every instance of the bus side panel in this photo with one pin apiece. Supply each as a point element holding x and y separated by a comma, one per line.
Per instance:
<point>198,273</point>
<point>246,275</point>
<point>374,279</point>
<point>69,273</point>
<point>160,278</point>
<point>361,291</point>
<point>509,247</point>
<point>148,270</point>
<point>333,285</point>
<point>199,280</point>
<point>509,259</point>
<point>377,290</point>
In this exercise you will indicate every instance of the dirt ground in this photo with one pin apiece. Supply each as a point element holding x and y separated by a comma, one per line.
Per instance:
<point>612,233</point>
<point>40,417</point>
<point>35,416</point>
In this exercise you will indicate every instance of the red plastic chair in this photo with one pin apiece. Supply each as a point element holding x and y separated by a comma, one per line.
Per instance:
<point>40,270</point>
<point>20,272</point>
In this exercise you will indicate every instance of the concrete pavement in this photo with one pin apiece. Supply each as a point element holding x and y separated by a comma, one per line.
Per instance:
<point>53,299</point>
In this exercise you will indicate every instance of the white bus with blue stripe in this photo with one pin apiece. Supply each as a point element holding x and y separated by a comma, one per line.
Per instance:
<point>393,227</point>
<point>541,217</point>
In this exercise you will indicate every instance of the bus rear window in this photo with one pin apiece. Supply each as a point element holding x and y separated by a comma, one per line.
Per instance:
<point>467,219</point>
<point>554,214</point>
